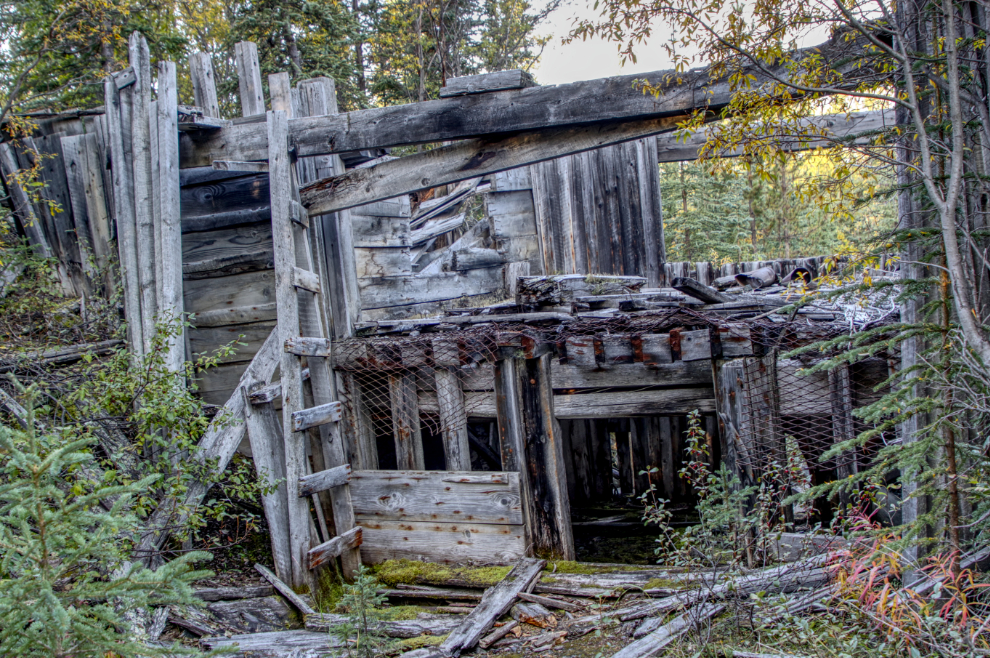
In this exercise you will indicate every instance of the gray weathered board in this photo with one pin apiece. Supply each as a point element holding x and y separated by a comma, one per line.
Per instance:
<point>444,516</point>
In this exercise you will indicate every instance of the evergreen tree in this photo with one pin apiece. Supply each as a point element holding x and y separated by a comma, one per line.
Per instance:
<point>66,587</point>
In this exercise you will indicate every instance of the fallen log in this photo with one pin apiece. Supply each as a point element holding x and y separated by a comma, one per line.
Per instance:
<point>58,357</point>
<point>658,640</point>
<point>427,625</point>
<point>547,602</point>
<point>533,614</point>
<point>233,593</point>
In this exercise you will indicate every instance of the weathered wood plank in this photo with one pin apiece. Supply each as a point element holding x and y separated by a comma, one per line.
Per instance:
<point>222,252</point>
<point>700,291</point>
<point>307,346</point>
<point>405,421</point>
<point>170,231</point>
<point>424,625</point>
<point>469,159</point>
<point>375,232</point>
<point>204,84</point>
<point>449,543</point>
<point>144,209</point>
<point>486,82</point>
<point>268,454</point>
<point>252,94</point>
<point>453,420</point>
<point>658,640</point>
<point>316,416</point>
<point>426,496</point>
<point>328,479</point>
<point>306,280</point>
<point>496,602</point>
<point>246,290</point>
<point>328,550</point>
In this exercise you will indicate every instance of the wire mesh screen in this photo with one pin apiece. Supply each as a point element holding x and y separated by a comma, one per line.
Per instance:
<point>418,387</point>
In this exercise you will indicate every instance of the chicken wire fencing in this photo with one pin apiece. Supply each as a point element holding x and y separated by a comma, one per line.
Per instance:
<point>420,386</point>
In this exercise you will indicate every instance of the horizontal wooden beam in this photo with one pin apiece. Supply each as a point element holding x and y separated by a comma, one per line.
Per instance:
<point>855,128</point>
<point>306,346</point>
<point>324,480</point>
<point>329,550</point>
<point>469,159</point>
<point>473,116</point>
<point>315,416</point>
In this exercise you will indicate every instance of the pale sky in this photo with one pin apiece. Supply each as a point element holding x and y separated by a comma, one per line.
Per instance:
<point>587,60</point>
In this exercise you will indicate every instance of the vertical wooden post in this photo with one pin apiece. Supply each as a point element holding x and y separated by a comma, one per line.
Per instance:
<point>646,451</point>
<point>623,448</point>
<point>144,210</point>
<point>580,460</point>
<point>450,400</point>
<point>288,327</point>
<point>361,441</point>
<point>171,224</point>
<point>405,421</point>
<point>842,425</point>
<point>123,199</point>
<point>204,84</point>
<point>249,79</point>
<point>268,454</point>
<point>667,457</point>
<point>531,444</point>
<point>600,447</point>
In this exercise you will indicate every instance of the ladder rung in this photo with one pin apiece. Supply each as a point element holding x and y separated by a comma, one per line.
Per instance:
<point>236,165</point>
<point>328,479</point>
<point>266,394</point>
<point>306,280</point>
<point>303,346</point>
<point>299,214</point>
<point>316,416</point>
<point>327,551</point>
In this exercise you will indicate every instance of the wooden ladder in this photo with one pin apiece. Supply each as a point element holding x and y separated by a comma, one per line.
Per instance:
<point>303,333</point>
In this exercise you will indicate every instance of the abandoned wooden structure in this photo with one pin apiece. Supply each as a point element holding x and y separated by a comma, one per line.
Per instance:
<point>468,338</point>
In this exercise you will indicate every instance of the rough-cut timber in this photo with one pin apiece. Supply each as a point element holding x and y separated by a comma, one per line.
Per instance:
<point>285,590</point>
<point>328,550</point>
<point>328,479</point>
<point>657,641</point>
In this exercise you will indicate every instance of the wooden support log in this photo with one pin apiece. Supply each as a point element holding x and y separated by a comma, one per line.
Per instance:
<point>327,551</point>
<point>453,420</point>
<point>495,603</point>
<point>324,480</point>
<point>760,278</point>
<point>405,421</point>
<point>697,290</point>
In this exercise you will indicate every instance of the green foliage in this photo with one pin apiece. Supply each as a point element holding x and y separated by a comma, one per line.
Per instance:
<point>359,633</point>
<point>733,211</point>
<point>66,586</point>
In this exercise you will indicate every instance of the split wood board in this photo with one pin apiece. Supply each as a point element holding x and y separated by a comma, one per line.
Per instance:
<point>392,291</point>
<point>613,404</point>
<point>226,251</point>
<point>430,496</point>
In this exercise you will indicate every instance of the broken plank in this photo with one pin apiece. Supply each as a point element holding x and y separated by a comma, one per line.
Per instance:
<point>496,602</point>
<point>658,640</point>
<point>277,643</point>
<point>327,551</point>
<point>233,593</point>
<point>285,590</point>
<point>328,479</point>
<point>424,625</point>
<point>497,634</point>
<point>316,416</point>
<point>467,160</point>
<point>306,280</point>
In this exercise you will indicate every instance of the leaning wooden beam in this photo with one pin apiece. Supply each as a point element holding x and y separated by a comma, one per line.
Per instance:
<point>285,590</point>
<point>268,454</point>
<point>855,128</point>
<point>469,159</point>
<point>494,604</point>
<point>22,204</point>
<point>538,108</point>
<point>216,446</point>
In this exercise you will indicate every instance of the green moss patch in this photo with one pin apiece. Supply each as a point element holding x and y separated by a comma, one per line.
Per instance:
<point>400,612</point>
<point>411,572</point>
<point>421,642</point>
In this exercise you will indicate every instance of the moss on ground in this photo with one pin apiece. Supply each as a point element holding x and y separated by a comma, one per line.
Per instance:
<point>411,572</point>
<point>569,566</point>
<point>400,612</point>
<point>421,642</point>
<point>665,583</point>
